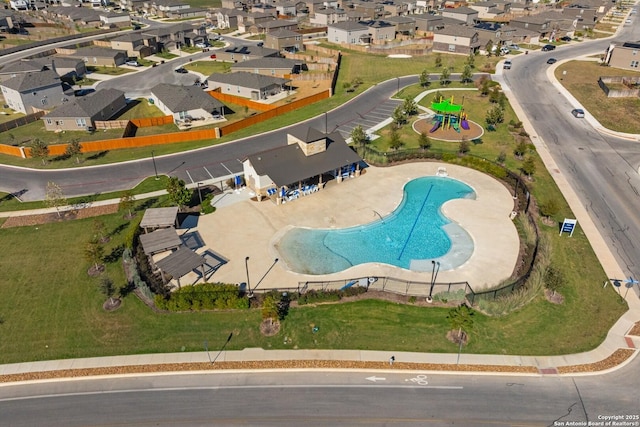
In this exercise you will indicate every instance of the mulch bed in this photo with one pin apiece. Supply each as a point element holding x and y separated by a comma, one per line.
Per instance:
<point>615,359</point>
<point>424,125</point>
<point>635,331</point>
<point>30,220</point>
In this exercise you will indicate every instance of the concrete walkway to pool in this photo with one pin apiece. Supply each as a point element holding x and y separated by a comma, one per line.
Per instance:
<point>242,228</point>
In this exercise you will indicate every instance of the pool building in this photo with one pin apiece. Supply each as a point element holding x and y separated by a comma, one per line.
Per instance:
<point>301,167</point>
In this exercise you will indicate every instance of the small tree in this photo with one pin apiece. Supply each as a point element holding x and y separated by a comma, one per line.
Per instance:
<point>495,94</point>
<point>100,230</point>
<point>438,60</point>
<point>127,202</point>
<point>424,141</point>
<point>394,139</point>
<point>520,150</point>
<point>553,279</point>
<point>471,60</point>
<point>54,196</point>
<point>108,289</point>
<point>74,148</point>
<point>179,195</point>
<point>489,47</point>
<point>461,318</point>
<point>445,77</point>
<point>437,97</point>
<point>485,86</point>
<point>494,116</point>
<point>269,308</point>
<point>40,150</point>
<point>399,117</point>
<point>464,146</point>
<point>347,87</point>
<point>410,107</point>
<point>467,75</point>
<point>529,166</point>
<point>502,157</point>
<point>94,253</point>
<point>359,137</point>
<point>549,207</point>
<point>424,78</point>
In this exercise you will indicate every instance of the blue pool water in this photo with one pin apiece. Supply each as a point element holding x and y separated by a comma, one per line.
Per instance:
<point>416,231</point>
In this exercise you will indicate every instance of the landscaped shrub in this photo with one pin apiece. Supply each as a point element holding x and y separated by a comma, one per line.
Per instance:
<point>206,296</point>
<point>317,296</point>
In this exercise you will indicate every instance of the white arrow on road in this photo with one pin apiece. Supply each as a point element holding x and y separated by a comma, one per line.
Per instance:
<point>375,379</point>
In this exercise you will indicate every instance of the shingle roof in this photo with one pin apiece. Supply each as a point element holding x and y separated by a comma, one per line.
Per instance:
<point>32,80</point>
<point>457,30</point>
<point>248,80</point>
<point>22,66</point>
<point>288,164</point>
<point>462,11</point>
<point>276,24</point>
<point>251,50</point>
<point>97,51</point>
<point>87,106</point>
<point>185,98</point>
<point>349,26</point>
<point>283,33</point>
<point>268,62</point>
<point>632,45</point>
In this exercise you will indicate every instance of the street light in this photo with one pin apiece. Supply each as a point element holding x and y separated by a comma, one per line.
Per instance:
<point>153,157</point>
<point>434,276</point>
<point>199,194</point>
<point>246,266</point>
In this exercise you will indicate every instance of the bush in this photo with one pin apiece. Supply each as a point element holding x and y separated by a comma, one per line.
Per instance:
<point>318,296</point>
<point>206,207</point>
<point>206,296</point>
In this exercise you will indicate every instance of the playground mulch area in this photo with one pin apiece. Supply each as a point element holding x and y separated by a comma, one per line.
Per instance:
<point>475,131</point>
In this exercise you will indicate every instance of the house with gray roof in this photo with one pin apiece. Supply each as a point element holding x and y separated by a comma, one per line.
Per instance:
<point>308,155</point>
<point>64,67</point>
<point>380,31</point>
<point>186,102</point>
<point>458,39</point>
<point>463,14</point>
<point>290,41</point>
<point>427,23</point>
<point>247,85</point>
<point>81,113</point>
<point>33,91</point>
<point>269,66</point>
<point>348,32</point>
<point>137,45</point>
<point>96,56</point>
<point>245,53</point>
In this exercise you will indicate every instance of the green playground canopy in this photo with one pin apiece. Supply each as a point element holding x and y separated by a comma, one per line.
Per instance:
<point>446,106</point>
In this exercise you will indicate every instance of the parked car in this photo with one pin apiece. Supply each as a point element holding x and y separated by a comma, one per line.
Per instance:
<point>548,47</point>
<point>578,112</point>
<point>260,44</point>
<point>566,39</point>
<point>507,65</point>
<point>504,50</point>
<point>181,70</point>
<point>132,63</point>
<point>213,56</point>
<point>627,21</point>
<point>202,45</point>
<point>552,61</point>
<point>514,47</point>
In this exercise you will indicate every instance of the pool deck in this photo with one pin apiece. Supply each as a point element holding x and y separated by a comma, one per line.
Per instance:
<point>243,228</point>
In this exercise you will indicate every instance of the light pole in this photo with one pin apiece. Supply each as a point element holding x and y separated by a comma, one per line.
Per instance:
<point>199,195</point>
<point>153,157</point>
<point>434,276</point>
<point>246,266</point>
<point>326,126</point>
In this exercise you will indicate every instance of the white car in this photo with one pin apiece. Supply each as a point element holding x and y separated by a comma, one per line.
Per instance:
<point>202,45</point>
<point>132,63</point>
<point>628,21</point>
<point>514,47</point>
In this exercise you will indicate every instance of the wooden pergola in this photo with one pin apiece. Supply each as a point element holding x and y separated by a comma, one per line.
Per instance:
<point>180,263</point>
<point>155,218</point>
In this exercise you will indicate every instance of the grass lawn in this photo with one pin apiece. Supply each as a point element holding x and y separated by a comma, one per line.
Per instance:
<point>10,203</point>
<point>166,55</point>
<point>209,67</point>
<point>581,80</point>
<point>138,109</point>
<point>7,114</point>
<point>109,71</point>
<point>28,133</point>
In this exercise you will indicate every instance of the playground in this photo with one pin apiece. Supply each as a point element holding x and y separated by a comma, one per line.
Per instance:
<point>448,123</point>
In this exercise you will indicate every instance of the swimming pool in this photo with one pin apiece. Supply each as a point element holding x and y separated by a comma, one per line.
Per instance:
<point>410,237</point>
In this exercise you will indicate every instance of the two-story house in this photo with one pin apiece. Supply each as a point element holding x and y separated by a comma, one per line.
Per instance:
<point>348,33</point>
<point>457,39</point>
<point>137,45</point>
<point>33,91</point>
<point>284,40</point>
<point>625,56</point>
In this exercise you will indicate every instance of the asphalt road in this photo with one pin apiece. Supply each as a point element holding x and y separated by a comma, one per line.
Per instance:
<point>602,169</point>
<point>322,399</point>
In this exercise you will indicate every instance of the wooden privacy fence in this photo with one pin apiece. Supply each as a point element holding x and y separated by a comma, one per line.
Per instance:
<point>21,121</point>
<point>146,122</point>
<point>243,102</point>
<point>111,124</point>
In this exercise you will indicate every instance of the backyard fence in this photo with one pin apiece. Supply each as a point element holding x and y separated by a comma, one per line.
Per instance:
<point>111,124</point>
<point>21,121</point>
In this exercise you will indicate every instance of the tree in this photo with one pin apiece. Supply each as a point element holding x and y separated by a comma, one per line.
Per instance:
<point>399,117</point>
<point>438,60</point>
<point>54,196</point>
<point>495,94</point>
<point>549,207</point>
<point>495,116</point>
<point>502,157</point>
<point>529,166</point>
<point>269,307</point>
<point>40,150</point>
<point>471,60</point>
<point>127,202</point>
<point>394,140</point>
<point>464,146</point>
<point>437,97</point>
<point>489,47</point>
<point>359,137</point>
<point>410,107</point>
<point>424,78</point>
<point>445,76</point>
<point>461,318</point>
<point>100,230</point>
<point>553,279</point>
<point>467,75</point>
<point>108,288</point>
<point>178,192</point>
<point>94,253</point>
<point>520,150</point>
<point>424,142</point>
<point>74,148</point>
<point>485,86</point>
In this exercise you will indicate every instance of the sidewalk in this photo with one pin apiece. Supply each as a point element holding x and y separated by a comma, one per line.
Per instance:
<point>616,339</point>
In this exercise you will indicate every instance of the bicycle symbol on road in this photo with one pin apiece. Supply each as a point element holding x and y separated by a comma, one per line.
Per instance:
<point>419,379</point>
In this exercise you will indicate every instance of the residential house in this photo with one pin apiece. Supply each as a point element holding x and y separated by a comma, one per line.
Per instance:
<point>188,34</point>
<point>186,102</point>
<point>625,56</point>
<point>270,66</point>
<point>115,20</point>
<point>380,31</point>
<point>245,22</point>
<point>348,32</point>
<point>81,113</point>
<point>549,25</point>
<point>395,8</point>
<point>245,53</point>
<point>233,4</point>
<point>33,91</point>
<point>370,9</point>
<point>227,18</point>
<point>488,9</point>
<point>328,16</point>
<point>192,12</point>
<point>137,45</point>
<point>98,56</point>
<point>132,5</point>
<point>426,23</point>
<point>264,8</point>
<point>498,34</point>
<point>62,66</point>
<point>284,40</point>
<point>584,17</point>
<point>286,8</point>
<point>405,25</point>
<point>464,14</point>
<point>456,39</point>
<point>248,85</point>
<point>7,20</point>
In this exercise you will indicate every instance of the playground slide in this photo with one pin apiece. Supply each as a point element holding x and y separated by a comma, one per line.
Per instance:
<point>455,127</point>
<point>465,124</point>
<point>435,126</point>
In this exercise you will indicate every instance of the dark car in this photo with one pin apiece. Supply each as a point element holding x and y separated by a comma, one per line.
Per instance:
<point>566,39</point>
<point>181,70</point>
<point>552,61</point>
<point>548,47</point>
<point>578,112</point>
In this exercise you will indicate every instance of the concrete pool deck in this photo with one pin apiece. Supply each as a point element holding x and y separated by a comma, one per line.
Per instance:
<point>244,228</point>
